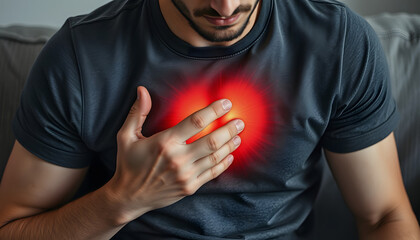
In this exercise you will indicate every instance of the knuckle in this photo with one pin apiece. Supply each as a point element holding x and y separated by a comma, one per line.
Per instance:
<point>216,110</point>
<point>166,146</point>
<point>167,135</point>
<point>133,109</point>
<point>212,144</point>
<point>225,166</point>
<point>162,149</point>
<point>232,130</point>
<point>231,146</point>
<point>198,121</point>
<point>122,137</point>
<point>214,172</point>
<point>214,158</point>
<point>174,166</point>
<point>182,179</point>
<point>188,189</point>
<point>172,162</point>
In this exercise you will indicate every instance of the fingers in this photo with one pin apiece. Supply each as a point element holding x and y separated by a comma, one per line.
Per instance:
<point>145,104</point>
<point>215,171</point>
<point>216,157</point>
<point>213,141</point>
<point>138,113</point>
<point>199,120</point>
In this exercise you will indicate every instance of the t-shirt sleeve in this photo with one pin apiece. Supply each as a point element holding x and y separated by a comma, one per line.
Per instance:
<point>48,122</point>
<point>364,110</point>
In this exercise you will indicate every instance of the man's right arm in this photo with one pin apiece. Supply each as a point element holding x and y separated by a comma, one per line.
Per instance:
<point>33,197</point>
<point>151,173</point>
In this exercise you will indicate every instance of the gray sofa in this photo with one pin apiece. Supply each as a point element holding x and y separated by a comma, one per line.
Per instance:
<point>400,36</point>
<point>19,47</point>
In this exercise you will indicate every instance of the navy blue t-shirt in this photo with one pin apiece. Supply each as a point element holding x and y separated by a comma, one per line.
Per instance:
<point>310,75</point>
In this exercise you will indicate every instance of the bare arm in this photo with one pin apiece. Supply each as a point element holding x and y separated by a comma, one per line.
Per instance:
<point>151,173</point>
<point>31,187</point>
<point>371,183</point>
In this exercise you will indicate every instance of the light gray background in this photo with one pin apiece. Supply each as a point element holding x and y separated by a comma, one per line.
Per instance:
<point>371,7</point>
<point>44,12</point>
<point>55,12</point>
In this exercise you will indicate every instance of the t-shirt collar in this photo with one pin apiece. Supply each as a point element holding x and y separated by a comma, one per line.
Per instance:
<point>216,52</point>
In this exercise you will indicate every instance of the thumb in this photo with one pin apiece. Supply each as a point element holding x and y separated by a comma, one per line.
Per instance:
<point>138,113</point>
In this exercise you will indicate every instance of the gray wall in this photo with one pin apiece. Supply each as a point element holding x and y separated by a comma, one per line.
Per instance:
<point>54,12</point>
<point>371,7</point>
<point>44,12</point>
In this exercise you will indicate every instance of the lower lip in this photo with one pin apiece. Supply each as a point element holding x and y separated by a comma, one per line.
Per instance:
<point>222,21</point>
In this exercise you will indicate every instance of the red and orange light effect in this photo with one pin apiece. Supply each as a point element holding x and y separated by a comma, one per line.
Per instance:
<point>251,104</point>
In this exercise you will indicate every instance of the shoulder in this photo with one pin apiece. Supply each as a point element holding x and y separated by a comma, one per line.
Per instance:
<point>321,7</point>
<point>316,18</point>
<point>322,13</point>
<point>108,12</point>
<point>321,23</point>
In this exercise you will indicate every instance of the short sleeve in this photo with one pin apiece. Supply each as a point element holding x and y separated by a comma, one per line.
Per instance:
<point>48,122</point>
<point>364,110</point>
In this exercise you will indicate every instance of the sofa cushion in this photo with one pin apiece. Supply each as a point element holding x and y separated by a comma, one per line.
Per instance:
<point>19,47</point>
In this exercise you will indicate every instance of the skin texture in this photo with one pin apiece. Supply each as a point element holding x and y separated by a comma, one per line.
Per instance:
<point>157,171</point>
<point>187,20</point>
<point>151,173</point>
<point>371,183</point>
<point>213,32</point>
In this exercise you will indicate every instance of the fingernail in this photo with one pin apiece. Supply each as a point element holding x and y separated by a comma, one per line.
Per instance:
<point>237,140</point>
<point>230,159</point>
<point>239,125</point>
<point>227,105</point>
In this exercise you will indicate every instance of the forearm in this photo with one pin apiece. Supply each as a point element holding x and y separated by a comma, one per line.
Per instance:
<point>395,225</point>
<point>150,173</point>
<point>93,216</point>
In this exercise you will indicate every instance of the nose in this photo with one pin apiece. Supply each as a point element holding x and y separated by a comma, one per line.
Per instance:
<point>225,7</point>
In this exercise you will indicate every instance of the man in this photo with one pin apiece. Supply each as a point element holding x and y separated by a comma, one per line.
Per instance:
<point>292,78</point>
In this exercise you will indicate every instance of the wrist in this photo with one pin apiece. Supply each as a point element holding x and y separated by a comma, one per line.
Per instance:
<point>120,206</point>
<point>112,205</point>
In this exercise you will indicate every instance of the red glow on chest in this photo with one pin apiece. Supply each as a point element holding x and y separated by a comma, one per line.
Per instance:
<point>250,104</point>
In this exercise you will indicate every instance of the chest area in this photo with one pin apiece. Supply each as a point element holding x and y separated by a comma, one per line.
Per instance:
<point>283,118</point>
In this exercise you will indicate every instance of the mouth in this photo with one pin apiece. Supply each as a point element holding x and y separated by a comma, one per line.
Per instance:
<point>222,21</point>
